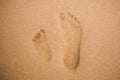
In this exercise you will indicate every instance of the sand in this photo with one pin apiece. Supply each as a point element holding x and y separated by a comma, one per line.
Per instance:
<point>20,20</point>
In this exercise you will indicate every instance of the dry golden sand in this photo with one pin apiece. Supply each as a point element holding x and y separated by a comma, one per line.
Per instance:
<point>100,44</point>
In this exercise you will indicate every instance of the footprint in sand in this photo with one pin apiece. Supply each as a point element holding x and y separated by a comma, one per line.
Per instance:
<point>72,34</point>
<point>40,43</point>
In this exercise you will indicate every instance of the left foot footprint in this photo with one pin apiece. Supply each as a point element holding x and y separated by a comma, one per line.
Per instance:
<point>40,43</point>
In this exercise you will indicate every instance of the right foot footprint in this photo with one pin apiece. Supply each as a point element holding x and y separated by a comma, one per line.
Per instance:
<point>40,43</point>
<point>72,30</point>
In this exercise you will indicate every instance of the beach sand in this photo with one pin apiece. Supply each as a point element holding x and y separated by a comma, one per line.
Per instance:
<point>99,56</point>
